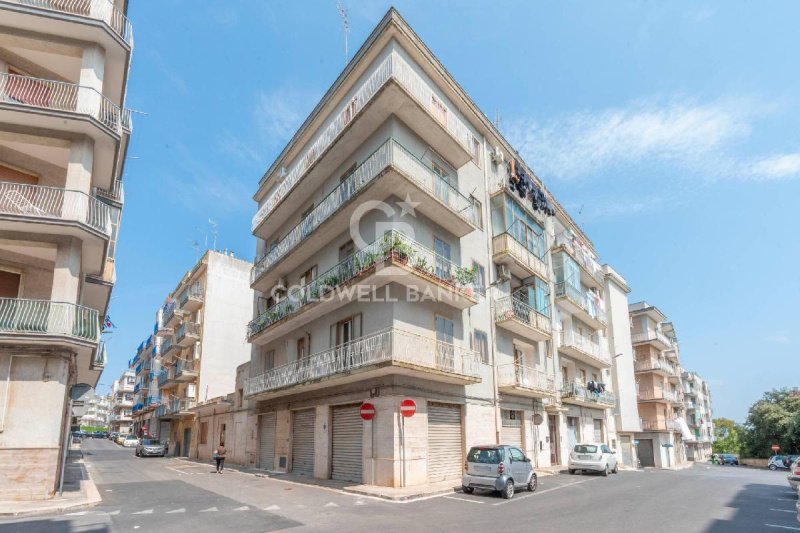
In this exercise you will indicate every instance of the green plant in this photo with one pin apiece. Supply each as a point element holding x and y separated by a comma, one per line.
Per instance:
<point>465,276</point>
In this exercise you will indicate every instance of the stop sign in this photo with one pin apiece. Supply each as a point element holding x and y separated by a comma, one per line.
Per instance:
<point>367,411</point>
<point>775,447</point>
<point>408,408</point>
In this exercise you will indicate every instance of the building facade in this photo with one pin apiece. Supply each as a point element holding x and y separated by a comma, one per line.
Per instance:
<point>406,252</point>
<point>699,416</point>
<point>122,393</point>
<point>96,412</point>
<point>63,138</point>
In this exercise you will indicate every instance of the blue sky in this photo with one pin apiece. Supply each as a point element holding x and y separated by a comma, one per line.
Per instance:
<point>671,131</point>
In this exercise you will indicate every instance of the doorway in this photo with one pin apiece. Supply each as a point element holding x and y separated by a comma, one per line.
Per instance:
<point>187,439</point>
<point>552,426</point>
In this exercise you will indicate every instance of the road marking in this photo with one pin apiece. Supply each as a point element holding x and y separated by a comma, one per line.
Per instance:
<point>462,499</point>
<point>784,510</point>
<point>210,510</point>
<point>272,508</point>
<point>783,527</point>
<point>114,513</point>
<point>146,511</point>
<point>361,502</point>
<point>330,504</point>
<point>182,510</point>
<point>517,498</point>
<point>78,513</point>
<point>242,508</point>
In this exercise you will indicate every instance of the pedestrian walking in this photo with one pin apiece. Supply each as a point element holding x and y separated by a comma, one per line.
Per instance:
<point>219,456</point>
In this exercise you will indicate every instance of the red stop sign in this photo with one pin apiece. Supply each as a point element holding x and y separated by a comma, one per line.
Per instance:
<point>367,411</point>
<point>408,408</point>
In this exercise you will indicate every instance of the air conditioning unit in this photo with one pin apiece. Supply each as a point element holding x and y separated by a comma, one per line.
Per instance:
<point>503,272</point>
<point>498,156</point>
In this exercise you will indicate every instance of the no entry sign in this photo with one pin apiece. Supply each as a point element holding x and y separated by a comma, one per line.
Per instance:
<point>408,408</point>
<point>367,411</point>
<point>775,447</point>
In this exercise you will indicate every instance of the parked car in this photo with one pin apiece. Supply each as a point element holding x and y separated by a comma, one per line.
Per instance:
<point>150,447</point>
<point>120,439</point>
<point>728,459</point>
<point>794,475</point>
<point>130,441</point>
<point>595,457</point>
<point>113,435</point>
<point>500,468</point>
<point>777,462</point>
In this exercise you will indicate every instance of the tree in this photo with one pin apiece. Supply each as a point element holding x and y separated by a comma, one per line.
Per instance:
<point>774,419</point>
<point>726,433</point>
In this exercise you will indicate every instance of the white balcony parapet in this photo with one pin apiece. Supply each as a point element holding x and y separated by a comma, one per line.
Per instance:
<point>391,244</point>
<point>393,67</point>
<point>525,377</point>
<point>652,335</point>
<point>668,396</point>
<point>63,96</point>
<point>391,345</point>
<point>43,317</point>
<point>582,300</point>
<point>35,201</point>
<point>586,345</point>
<point>103,10</point>
<point>651,364</point>
<point>391,153</point>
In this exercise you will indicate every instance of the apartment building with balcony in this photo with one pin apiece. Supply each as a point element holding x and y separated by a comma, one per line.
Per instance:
<point>699,416</point>
<point>404,251</point>
<point>96,412</point>
<point>122,398</point>
<point>64,134</point>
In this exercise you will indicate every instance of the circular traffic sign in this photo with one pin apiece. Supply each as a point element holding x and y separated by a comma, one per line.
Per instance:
<point>775,447</point>
<point>367,411</point>
<point>408,408</point>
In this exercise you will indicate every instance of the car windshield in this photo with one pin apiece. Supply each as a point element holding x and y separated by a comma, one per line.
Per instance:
<point>728,456</point>
<point>130,437</point>
<point>491,456</point>
<point>150,442</point>
<point>584,448</point>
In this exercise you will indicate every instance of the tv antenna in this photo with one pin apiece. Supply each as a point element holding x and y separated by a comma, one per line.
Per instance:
<point>346,24</point>
<point>214,233</point>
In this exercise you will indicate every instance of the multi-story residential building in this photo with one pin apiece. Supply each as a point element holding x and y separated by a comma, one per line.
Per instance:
<point>406,252</point>
<point>122,395</point>
<point>658,386</point>
<point>96,412</point>
<point>63,138</point>
<point>194,350</point>
<point>699,416</point>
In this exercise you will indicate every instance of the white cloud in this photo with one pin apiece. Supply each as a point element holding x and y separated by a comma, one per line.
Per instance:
<point>279,113</point>
<point>779,338</point>
<point>779,166</point>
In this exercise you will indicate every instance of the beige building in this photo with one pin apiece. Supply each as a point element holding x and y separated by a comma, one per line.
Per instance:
<point>120,419</point>
<point>96,412</point>
<point>404,251</point>
<point>699,417</point>
<point>63,138</point>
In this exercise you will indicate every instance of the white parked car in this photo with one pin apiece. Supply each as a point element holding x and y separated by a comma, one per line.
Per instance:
<point>594,457</point>
<point>130,441</point>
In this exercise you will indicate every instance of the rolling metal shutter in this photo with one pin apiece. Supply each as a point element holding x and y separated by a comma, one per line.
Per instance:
<point>511,430</point>
<point>347,456</point>
<point>445,453</point>
<point>266,441</point>
<point>303,442</point>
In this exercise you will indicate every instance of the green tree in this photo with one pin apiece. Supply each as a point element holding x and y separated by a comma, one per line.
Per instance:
<point>774,419</point>
<point>726,432</point>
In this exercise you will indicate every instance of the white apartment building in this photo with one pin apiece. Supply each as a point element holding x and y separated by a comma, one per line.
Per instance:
<point>122,394</point>
<point>406,252</point>
<point>699,417</point>
<point>63,138</point>
<point>193,353</point>
<point>96,412</point>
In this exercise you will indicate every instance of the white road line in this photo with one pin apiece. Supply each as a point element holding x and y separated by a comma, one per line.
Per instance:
<point>783,527</point>
<point>361,502</point>
<point>462,499</point>
<point>114,513</point>
<point>330,504</point>
<point>784,510</point>
<point>210,510</point>
<point>272,508</point>
<point>545,491</point>
<point>516,498</point>
<point>78,513</point>
<point>146,511</point>
<point>242,508</point>
<point>181,510</point>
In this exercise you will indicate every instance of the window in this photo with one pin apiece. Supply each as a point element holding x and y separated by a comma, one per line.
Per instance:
<point>442,250</point>
<point>239,397</point>
<point>203,432</point>
<point>516,455</point>
<point>441,183</point>
<point>444,330</point>
<point>583,375</point>
<point>598,431</point>
<point>521,226</point>
<point>594,377</point>
<point>346,250</point>
<point>477,211</point>
<point>479,284</point>
<point>222,434</point>
<point>564,375</point>
<point>480,343</point>
<point>346,184</point>
<point>345,331</point>
<point>308,276</point>
<point>475,149</point>
<point>536,295</point>
<point>302,348</point>
<point>438,109</point>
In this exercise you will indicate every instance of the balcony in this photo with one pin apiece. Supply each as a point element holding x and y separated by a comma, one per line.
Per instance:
<point>591,272</point>
<point>176,408</point>
<point>187,334</point>
<point>654,337</point>
<point>389,352</point>
<point>577,393</point>
<point>169,347</point>
<point>390,170</point>
<point>660,396</point>
<point>662,368</point>
<point>519,318</point>
<point>522,262</point>
<point>191,299</point>
<point>184,371</point>
<point>520,380</point>
<point>163,379</point>
<point>115,194</point>
<point>581,305</point>
<point>584,349</point>
<point>170,318</point>
<point>393,88</point>
<point>393,258</point>
<point>659,425</point>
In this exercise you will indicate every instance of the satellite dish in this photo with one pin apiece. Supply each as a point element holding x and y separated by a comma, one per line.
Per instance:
<point>538,419</point>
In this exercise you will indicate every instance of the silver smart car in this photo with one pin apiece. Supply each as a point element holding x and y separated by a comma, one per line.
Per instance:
<point>498,467</point>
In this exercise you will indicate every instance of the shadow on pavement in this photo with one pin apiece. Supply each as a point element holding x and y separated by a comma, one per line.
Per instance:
<point>752,510</point>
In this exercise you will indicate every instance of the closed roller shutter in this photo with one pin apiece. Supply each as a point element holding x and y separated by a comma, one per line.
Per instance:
<point>445,455</point>
<point>511,430</point>
<point>266,441</point>
<point>348,431</point>
<point>303,442</point>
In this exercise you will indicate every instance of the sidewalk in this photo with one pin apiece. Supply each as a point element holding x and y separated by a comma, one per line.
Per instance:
<point>79,491</point>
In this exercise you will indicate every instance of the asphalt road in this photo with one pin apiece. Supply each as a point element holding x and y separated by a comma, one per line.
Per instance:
<point>166,495</point>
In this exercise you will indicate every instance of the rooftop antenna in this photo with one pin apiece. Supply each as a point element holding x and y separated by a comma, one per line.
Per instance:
<point>214,232</point>
<point>346,23</point>
<point>497,119</point>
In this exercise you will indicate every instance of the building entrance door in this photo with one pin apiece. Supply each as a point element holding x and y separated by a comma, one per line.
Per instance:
<point>552,425</point>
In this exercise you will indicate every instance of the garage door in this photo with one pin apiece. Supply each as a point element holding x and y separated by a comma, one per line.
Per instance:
<point>303,442</point>
<point>346,453</point>
<point>266,441</point>
<point>645,450</point>
<point>511,430</point>
<point>445,455</point>
<point>163,431</point>
<point>627,450</point>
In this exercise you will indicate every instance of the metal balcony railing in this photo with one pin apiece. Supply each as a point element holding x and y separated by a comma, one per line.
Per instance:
<point>584,344</point>
<point>36,201</point>
<point>581,299</point>
<point>393,67</point>
<point>580,391</point>
<point>524,245</point>
<point>658,425</point>
<point>102,10</point>
<point>18,316</point>
<point>116,193</point>
<point>391,153</point>
<point>516,375</point>
<point>654,364</point>
<point>668,396</point>
<point>194,292</point>
<point>187,328</point>
<point>652,335</point>
<point>511,307</point>
<point>581,256</point>
<point>392,245</point>
<point>63,96</point>
<point>167,312</point>
<point>389,345</point>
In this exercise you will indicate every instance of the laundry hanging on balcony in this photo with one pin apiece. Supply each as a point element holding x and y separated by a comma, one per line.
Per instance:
<point>527,189</point>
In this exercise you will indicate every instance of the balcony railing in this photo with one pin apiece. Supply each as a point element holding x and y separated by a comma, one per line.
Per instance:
<point>391,153</point>
<point>187,329</point>
<point>116,193</point>
<point>175,406</point>
<point>18,316</point>
<point>512,308</point>
<point>583,344</point>
<point>509,243</point>
<point>392,245</point>
<point>193,292</point>
<point>36,201</point>
<point>580,299</point>
<point>102,10</point>
<point>393,67</point>
<point>658,425</point>
<point>667,396</point>
<point>581,392</point>
<point>63,96</point>
<point>388,346</point>
<point>652,335</point>
<point>516,375</point>
<point>654,364</point>
<point>581,256</point>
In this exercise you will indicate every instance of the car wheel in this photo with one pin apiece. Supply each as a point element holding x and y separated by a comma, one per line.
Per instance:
<point>468,490</point>
<point>605,471</point>
<point>571,471</point>
<point>534,482</point>
<point>508,491</point>
<point>164,454</point>
<point>616,469</point>
<point>773,467</point>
